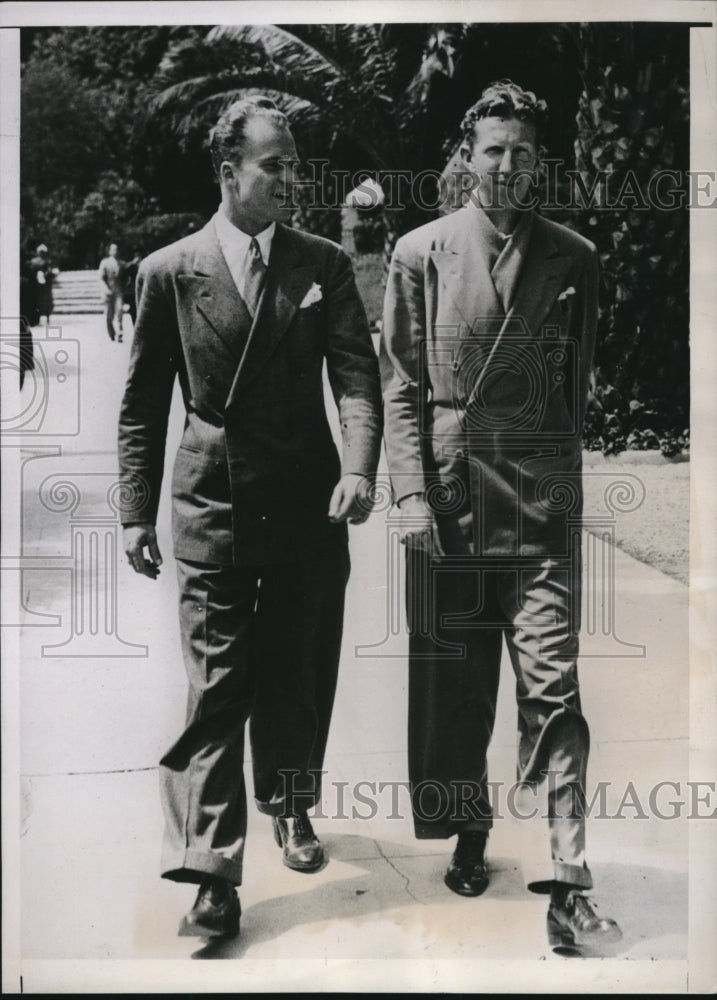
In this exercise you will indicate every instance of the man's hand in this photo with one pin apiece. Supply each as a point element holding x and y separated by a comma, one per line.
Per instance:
<point>351,500</point>
<point>137,537</point>
<point>416,523</point>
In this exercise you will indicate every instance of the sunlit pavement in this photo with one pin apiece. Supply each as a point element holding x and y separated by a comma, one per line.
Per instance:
<point>99,710</point>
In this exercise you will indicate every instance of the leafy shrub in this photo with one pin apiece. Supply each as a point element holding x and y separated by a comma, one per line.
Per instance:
<point>159,230</point>
<point>369,233</point>
<point>633,122</point>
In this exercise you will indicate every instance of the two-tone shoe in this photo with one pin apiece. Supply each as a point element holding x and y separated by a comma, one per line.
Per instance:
<point>574,922</point>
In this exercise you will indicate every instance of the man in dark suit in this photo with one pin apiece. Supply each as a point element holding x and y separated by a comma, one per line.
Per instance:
<point>489,332</point>
<point>245,312</point>
<point>128,271</point>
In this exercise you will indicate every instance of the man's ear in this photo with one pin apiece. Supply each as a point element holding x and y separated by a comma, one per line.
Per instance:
<point>466,156</point>
<point>226,173</point>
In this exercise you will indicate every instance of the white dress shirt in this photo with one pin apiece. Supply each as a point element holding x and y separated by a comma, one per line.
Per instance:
<point>235,246</point>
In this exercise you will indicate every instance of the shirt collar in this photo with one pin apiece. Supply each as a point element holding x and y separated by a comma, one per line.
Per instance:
<point>495,241</point>
<point>236,242</point>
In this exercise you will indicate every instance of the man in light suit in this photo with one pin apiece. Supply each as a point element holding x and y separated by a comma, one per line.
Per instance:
<point>489,331</point>
<point>110,271</point>
<point>245,312</point>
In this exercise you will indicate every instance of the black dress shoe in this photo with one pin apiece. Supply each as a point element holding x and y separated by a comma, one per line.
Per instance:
<point>302,849</point>
<point>215,913</point>
<point>467,873</point>
<point>573,922</point>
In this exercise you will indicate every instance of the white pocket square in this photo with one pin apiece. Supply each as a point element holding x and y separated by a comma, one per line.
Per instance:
<point>312,296</point>
<point>564,296</point>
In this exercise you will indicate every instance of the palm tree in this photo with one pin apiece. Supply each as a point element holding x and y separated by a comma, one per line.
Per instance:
<point>362,95</point>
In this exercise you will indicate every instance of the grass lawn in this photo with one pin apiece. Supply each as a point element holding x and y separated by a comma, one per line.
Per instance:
<point>658,531</point>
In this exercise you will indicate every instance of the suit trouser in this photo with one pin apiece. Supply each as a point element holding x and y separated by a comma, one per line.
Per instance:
<point>261,644</point>
<point>457,619</point>
<point>113,312</point>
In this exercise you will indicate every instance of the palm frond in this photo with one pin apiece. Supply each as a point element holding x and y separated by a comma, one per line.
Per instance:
<point>177,94</point>
<point>288,50</point>
<point>312,74</point>
<point>376,60</point>
<point>356,74</point>
<point>203,112</point>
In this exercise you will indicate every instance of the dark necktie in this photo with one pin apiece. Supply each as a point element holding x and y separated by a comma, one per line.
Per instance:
<point>254,280</point>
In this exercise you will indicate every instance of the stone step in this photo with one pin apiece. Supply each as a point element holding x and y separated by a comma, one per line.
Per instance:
<point>75,309</point>
<point>81,283</point>
<point>77,293</point>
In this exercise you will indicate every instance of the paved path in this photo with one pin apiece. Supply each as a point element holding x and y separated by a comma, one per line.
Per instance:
<point>94,724</point>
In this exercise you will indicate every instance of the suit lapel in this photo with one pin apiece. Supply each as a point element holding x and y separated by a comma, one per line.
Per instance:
<point>212,290</point>
<point>541,278</point>
<point>464,275</point>
<point>538,286</point>
<point>288,280</point>
<point>486,308</point>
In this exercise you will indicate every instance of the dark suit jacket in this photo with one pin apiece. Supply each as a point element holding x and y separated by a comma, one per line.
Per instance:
<point>492,431</point>
<point>256,466</point>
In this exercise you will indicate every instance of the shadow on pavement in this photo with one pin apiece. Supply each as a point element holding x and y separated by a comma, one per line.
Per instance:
<point>648,903</point>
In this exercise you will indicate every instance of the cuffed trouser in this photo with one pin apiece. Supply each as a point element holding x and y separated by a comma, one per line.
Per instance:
<point>264,645</point>
<point>458,611</point>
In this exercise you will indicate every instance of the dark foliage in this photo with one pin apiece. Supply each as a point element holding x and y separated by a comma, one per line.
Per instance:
<point>633,122</point>
<point>114,132</point>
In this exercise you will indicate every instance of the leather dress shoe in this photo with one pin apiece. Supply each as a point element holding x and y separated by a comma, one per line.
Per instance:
<point>215,913</point>
<point>467,873</point>
<point>302,849</point>
<point>574,922</point>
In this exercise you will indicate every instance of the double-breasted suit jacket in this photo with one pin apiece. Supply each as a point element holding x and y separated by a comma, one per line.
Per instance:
<point>487,357</point>
<point>256,465</point>
<point>484,412</point>
<point>262,570</point>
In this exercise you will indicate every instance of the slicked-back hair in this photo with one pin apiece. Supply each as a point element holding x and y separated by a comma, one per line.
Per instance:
<point>227,136</point>
<point>505,99</point>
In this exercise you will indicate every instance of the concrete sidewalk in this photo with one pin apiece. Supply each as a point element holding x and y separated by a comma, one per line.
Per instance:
<point>96,719</point>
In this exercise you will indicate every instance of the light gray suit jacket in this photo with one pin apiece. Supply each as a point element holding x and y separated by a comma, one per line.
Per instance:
<point>485,415</point>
